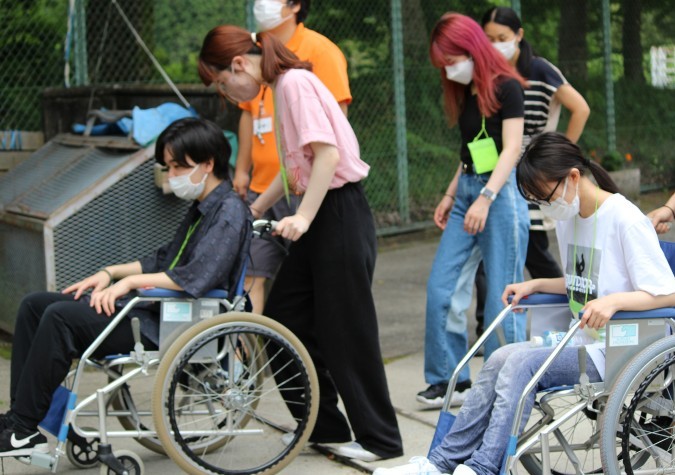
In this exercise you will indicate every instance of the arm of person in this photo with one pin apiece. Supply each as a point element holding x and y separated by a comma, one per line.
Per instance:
<point>599,311</point>
<point>522,289</point>
<point>512,139</point>
<point>442,212</point>
<point>242,169</point>
<point>326,159</point>
<point>104,300</point>
<point>660,217</point>
<point>578,107</point>
<point>103,278</point>
<point>271,195</point>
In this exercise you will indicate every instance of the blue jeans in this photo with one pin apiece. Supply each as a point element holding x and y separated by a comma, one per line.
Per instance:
<point>503,246</point>
<point>480,433</point>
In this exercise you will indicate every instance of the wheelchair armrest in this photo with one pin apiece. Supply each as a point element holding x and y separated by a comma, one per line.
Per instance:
<point>159,292</point>
<point>666,312</point>
<point>542,299</point>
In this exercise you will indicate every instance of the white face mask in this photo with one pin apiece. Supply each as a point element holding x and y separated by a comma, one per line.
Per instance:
<point>268,14</point>
<point>561,210</point>
<point>183,187</point>
<point>507,48</point>
<point>240,86</point>
<point>461,72</point>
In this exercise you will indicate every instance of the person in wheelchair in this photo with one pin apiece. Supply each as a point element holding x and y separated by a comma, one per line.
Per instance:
<point>612,262</point>
<point>207,252</point>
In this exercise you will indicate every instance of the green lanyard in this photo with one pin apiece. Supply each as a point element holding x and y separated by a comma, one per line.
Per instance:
<point>483,130</point>
<point>190,231</point>
<point>280,152</point>
<point>574,305</point>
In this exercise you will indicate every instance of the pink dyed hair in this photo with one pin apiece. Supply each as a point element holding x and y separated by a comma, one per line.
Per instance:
<point>456,35</point>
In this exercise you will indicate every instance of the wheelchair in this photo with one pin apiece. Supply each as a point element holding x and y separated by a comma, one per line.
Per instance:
<point>625,424</point>
<point>226,393</point>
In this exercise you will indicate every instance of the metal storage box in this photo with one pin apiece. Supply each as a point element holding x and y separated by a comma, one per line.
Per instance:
<point>74,206</point>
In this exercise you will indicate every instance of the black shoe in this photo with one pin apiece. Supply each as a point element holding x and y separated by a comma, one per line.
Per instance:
<point>16,442</point>
<point>433,396</point>
<point>5,420</point>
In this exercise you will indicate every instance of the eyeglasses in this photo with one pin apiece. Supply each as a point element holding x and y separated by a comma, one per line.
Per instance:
<point>547,200</point>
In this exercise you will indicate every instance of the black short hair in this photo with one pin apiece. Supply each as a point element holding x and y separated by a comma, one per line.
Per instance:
<point>304,10</point>
<point>199,139</point>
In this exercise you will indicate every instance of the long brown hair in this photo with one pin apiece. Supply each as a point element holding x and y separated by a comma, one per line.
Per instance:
<point>224,42</point>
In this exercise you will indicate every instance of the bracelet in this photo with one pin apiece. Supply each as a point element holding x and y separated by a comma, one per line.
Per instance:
<point>450,196</point>
<point>109,274</point>
<point>671,210</point>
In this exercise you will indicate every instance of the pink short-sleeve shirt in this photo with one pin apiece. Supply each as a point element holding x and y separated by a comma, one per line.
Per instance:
<point>308,113</point>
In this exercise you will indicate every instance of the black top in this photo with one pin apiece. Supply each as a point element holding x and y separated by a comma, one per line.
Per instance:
<point>509,95</point>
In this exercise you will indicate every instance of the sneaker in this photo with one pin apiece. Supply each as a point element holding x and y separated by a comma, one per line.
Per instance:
<point>5,421</point>
<point>416,466</point>
<point>17,442</point>
<point>433,396</point>
<point>463,470</point>
<point>354,450</point>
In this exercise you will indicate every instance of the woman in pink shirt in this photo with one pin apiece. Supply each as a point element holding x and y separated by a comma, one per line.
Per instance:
<point>322,292</point>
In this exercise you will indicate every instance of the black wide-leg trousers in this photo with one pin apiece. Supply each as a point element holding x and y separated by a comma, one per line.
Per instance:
<point>322,293</point>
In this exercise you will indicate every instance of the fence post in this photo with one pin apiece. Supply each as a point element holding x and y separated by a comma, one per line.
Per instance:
<point>80,44</point>
<point>609,83</point>
<point>399,109</point>
<point>515,4</point>
<point>250,18</point>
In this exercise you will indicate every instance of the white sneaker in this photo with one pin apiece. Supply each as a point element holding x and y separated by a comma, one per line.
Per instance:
<point>287,438</point>
<point>463,470</point>
<point>354,450</point>
<point>416,466</point>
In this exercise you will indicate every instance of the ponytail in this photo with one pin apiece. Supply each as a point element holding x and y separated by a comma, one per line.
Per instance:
<point>224,42</point>
<point>550,157</point>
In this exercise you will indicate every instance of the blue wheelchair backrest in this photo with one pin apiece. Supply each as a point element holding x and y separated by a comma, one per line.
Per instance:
<point>669,251</point>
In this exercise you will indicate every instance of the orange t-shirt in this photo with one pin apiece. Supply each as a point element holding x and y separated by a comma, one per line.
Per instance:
<point>329,64</point>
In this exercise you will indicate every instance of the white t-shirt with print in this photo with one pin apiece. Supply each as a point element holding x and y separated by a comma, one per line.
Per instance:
<point>626,257</point>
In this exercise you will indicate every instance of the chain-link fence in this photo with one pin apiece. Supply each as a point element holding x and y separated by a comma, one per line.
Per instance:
<point>601,46</point>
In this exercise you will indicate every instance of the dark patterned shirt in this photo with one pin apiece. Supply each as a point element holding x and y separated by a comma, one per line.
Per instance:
<point>213,257</point>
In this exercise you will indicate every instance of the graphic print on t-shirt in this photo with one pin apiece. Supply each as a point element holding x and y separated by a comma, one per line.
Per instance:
<point>579,276</point>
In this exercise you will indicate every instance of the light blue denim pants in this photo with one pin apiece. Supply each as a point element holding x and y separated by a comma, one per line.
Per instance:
<point>480,433</point>
<point>502,246</point>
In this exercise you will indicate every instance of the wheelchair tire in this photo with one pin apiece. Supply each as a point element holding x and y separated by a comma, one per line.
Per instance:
<point>82,453</point>
<point>255,416</point>
<point>631,435</point>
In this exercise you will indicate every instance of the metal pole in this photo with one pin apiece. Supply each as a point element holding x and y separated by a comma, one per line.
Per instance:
<point>609,82</point>
<point>399,104</point>
<point>80,44</point>
<point>250,18</point>
<point>515,4</point>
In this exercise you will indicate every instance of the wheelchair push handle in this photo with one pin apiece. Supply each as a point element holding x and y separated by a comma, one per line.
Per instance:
<point>263,226</point>
<point>136,329</point>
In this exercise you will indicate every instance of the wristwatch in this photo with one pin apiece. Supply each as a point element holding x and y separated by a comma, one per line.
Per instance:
<point>489,194</point>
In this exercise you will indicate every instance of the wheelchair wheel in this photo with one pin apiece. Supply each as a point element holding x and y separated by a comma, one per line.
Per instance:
<point>129,460</point>
<point>208,389</point>
<point>576,444</point>
<point>82,452</point>
<point>638,434</point>
<point>137,409</point>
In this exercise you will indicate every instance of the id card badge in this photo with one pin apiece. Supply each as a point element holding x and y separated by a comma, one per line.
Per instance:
<point>262,125</point>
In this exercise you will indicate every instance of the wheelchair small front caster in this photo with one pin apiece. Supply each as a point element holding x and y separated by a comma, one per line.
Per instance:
<point>123,462</point>
<point>82,452</point>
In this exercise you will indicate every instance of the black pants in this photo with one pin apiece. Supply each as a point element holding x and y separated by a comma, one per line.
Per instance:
<point>322,293</point>
<point>539,263</point>
<point>51,330</point>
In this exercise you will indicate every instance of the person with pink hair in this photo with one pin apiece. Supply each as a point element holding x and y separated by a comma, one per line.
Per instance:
<point>481,213</point>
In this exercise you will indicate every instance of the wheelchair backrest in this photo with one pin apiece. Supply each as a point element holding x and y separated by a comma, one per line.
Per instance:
<point>669,251</point>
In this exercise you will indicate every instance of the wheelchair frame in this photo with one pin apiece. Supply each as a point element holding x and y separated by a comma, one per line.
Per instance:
<point>279,339</point>
<point>591,396</point>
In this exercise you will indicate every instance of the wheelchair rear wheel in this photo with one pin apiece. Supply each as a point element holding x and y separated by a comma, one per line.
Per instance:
<point>576,444</point>
<point>208,388</point>
<point>638,434</point>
